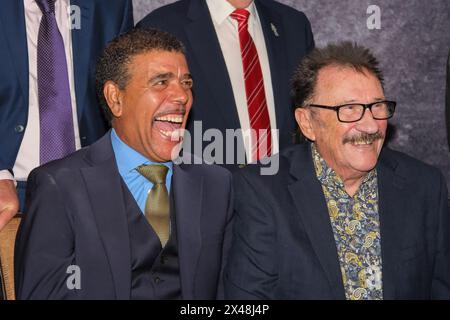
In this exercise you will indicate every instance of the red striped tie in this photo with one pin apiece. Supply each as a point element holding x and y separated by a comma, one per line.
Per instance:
<point>254,89</point>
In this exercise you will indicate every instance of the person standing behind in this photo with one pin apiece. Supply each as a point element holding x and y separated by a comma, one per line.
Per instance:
<point>48,106</point>
<point>241,54</point>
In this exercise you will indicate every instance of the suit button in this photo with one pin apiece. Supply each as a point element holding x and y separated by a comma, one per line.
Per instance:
<point>157,280</point>
<point>163,259</point>
<point>19,128</point>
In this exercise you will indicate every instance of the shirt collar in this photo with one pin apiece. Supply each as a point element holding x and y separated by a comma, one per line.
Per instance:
<point>327,176</point>
<point>220,10</point>
<point>129,159</point>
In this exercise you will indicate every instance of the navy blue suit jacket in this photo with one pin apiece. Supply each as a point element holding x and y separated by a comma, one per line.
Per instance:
<point>214,102</point>
<point>283,244</point>
<point>76,216</point>
<point>101,21</point>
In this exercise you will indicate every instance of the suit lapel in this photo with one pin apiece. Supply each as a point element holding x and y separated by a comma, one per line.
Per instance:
<point>81,50</point>
<point>188,197</point>
<point>310,202</point>
<point>103,183</point>
<point>311,205</point>
<point>13,26</point>
<point>275,39</point>
<point>391,208</point>
<point>205,48</point>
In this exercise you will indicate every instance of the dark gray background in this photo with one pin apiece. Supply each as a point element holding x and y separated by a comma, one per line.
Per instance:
<point>412,45</point>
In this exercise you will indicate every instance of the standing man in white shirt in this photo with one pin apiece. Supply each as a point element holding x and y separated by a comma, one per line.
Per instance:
<point>241,54</point>
<point>48,107</point>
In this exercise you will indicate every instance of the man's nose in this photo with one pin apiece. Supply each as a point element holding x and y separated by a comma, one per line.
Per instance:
<point>179,93</point>
<point>367,124</point>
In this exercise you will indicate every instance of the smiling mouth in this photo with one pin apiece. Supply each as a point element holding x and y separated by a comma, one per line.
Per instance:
<point>169,125</point>
<point>362,142</point>
<point>364,139</point>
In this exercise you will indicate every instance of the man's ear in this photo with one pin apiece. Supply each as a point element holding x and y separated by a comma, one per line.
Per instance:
<point>113,97</point>
<point>304,120</point>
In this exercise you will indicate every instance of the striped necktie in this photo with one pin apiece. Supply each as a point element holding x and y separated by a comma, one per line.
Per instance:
<point>258,112</point>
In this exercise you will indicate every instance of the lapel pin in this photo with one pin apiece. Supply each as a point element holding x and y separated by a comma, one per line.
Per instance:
<point>274,30</point>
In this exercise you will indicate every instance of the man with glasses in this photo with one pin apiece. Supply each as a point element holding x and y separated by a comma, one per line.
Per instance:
<point>344,218</point>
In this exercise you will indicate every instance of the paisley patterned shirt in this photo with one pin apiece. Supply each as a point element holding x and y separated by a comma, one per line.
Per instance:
<point>356,229</point>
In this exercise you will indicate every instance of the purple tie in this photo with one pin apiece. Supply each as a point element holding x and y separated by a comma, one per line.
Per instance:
<point>55,108</point>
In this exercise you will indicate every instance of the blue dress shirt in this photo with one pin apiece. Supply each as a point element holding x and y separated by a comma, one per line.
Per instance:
<point>128,160</point>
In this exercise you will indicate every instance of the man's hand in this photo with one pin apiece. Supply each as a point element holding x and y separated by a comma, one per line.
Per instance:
<point>9,202</point>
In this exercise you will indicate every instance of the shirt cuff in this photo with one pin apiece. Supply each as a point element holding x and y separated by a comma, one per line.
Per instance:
<point>6,175</point>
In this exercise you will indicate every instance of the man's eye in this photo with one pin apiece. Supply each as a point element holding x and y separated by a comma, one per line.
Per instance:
<point>351,108</point>
<point>188,84</point>
<point>161,83</point>
<point>380,105</point>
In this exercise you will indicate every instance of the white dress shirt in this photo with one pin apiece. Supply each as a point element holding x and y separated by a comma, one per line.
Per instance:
<point>227,32</point>
<point>28,156</point>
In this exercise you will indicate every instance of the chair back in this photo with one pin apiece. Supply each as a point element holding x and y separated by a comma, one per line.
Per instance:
<point>7,241</point>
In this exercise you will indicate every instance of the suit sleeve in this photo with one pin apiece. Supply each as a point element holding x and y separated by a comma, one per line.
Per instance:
<point>45,243</point>
<point>152,20</point>
<point>227,241</point>
<point>441,273</point>
<point>127,22</point>
<point>251,271</point>
<point>310,44</point>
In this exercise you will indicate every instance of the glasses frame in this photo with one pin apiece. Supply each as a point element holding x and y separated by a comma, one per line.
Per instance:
<point>365,106</point>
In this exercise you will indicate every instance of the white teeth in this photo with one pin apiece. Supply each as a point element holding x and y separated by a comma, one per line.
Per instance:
<point>174,135</point>
<point>174,119</point>
<point>165,133</point>
<point>362,143</point>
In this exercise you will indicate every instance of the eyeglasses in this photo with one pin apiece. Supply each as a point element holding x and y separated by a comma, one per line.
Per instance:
<point>353,112</point>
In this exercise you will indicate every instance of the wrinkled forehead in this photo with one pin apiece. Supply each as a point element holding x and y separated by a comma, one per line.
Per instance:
<point>342,84</point>
<point>159,62</point>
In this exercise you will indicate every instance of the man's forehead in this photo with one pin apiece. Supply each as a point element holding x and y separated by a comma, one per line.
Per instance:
<point>152,64</point>
<point>161,60</point>
<point>154,68</point>
<point>333,72</point>
<point>348,83</point>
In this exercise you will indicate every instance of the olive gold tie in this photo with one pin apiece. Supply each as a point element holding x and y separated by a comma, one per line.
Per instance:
<point>157,208</point>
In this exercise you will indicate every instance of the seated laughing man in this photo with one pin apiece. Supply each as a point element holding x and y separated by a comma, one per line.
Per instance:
<point>120,214</point>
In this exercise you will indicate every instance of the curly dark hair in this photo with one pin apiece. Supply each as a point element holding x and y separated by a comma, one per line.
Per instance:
<point>116,57</point>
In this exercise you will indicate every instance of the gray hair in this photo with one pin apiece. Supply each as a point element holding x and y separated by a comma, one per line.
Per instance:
<point>346,54</point>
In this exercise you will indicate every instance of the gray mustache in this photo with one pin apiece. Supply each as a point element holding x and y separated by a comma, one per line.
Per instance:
<point>364,137</point>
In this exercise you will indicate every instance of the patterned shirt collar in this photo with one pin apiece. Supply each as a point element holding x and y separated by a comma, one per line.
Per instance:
<point>356,230</point>
<point>328,177</point>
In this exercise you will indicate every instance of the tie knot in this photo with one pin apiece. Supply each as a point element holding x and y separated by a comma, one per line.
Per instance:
<point>155,173</point>
<point>241,15</point>
<point>46,6</point>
